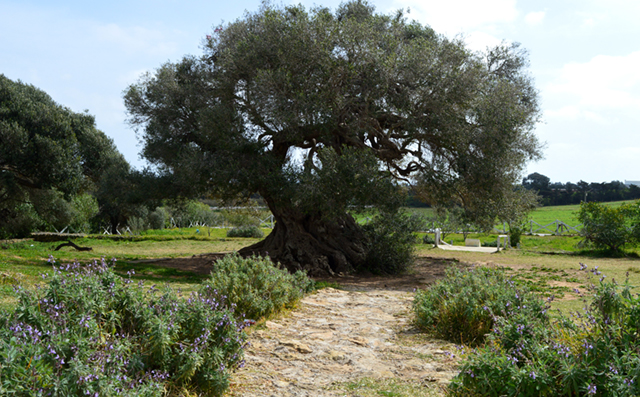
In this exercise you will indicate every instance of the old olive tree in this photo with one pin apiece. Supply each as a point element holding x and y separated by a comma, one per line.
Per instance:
<point>321,111</point>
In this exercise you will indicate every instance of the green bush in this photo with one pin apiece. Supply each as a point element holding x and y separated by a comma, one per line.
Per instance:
<point>605,227</point>
<point>255,286</point>
<point>158,218</point>
<point>137,224</point>
<point>427,239</point>
<point>462,307</point>
<point>93,332</point>
<point>391,242</point>
<point>595,353</point>
<point>245,231</point>
<point>515,236</point>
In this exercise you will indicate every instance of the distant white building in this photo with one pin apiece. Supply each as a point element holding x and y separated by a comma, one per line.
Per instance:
<point>629,183</point>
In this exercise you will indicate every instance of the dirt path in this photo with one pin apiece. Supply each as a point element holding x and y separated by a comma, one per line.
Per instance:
<point>355,342</point>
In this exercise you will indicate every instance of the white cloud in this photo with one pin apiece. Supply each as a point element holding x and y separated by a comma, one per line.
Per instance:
<point>458,16</point>
<point>534,18</point>
<point>603,83</point>
<point>479,41</point>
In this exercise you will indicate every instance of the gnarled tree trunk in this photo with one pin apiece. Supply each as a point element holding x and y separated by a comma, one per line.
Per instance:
<point>319,246</point>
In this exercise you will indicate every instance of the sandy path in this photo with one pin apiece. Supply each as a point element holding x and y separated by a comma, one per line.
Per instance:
<point>335,338</point>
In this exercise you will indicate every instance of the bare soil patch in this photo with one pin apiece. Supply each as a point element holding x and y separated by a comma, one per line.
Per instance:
<point>198,264</point>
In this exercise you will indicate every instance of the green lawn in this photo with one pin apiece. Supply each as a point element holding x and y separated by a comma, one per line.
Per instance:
<point>541,215</point>
<point>545,262</point>
<point>24,261</point>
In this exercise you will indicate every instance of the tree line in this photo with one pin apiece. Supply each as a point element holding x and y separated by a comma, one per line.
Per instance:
<point>558,193</point>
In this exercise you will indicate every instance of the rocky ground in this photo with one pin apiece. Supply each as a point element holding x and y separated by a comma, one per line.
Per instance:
<point>355,341</point>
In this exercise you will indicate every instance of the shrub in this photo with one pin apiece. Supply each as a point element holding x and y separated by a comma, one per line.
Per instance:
<point>604,227</point>
<point>391,242</point>
<point>158,218</point>
<point>255,286</point>
<point>463,306</point>
<point>596,354</point>
<point>245,231</point>
<point>93,332</point>
<point>515,235</point>
<point>137,224</point>
<point>427,239</point>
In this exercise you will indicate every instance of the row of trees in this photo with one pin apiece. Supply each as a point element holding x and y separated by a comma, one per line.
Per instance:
<point>558,193</point>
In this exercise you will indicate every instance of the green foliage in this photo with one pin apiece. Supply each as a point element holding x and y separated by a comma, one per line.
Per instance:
<point>48,155</point>
<point>462,307</point>
<point>515,235</point>
<point>427,239</point>
<point>255,286</point>
<point>137,224</point>
<point>187,213</point>
<point>595,353</point>
<point>157,219</point>
<point>245,231</point>
<point>605,227</point>
<point>632,213</point>
<point>391,242</point>
<point>85,207</point>
<point>349,180</point>
<point>92,332</point>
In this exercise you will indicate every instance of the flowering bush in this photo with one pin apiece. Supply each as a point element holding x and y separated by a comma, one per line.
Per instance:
<point>255,286</point>
<point>463,306</point>
<point>91,332</point>
<point>596,353</point>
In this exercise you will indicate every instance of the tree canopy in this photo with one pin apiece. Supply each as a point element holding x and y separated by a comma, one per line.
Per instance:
<point>49,156</point>
<point>321,111</point>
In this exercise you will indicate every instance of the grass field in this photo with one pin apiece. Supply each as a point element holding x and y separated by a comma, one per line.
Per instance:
<point>24,261</point>
<point>548,263</point>
<point>541,215</point>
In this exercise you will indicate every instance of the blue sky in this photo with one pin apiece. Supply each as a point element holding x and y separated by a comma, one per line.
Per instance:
<point>585,59</point>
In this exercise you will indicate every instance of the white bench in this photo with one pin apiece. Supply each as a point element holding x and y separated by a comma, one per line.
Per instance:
<point>472,242</point>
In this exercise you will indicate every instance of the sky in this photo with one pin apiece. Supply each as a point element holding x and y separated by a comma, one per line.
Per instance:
<point>584,58</point>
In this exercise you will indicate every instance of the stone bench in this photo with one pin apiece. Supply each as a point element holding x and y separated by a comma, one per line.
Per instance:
<point>472,242</point>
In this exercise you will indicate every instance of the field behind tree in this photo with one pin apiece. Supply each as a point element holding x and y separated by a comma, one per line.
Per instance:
<point>541,215</point>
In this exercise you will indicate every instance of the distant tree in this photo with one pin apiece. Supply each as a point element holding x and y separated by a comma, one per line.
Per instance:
<point>48,156</point>
<point>515,208</point>
<point>536,182</point>
<point>320,112</point>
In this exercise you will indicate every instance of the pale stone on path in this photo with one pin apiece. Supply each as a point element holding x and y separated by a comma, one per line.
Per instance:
<point>272,325</point>
<point>301,347</point>
<point>358,340</point>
